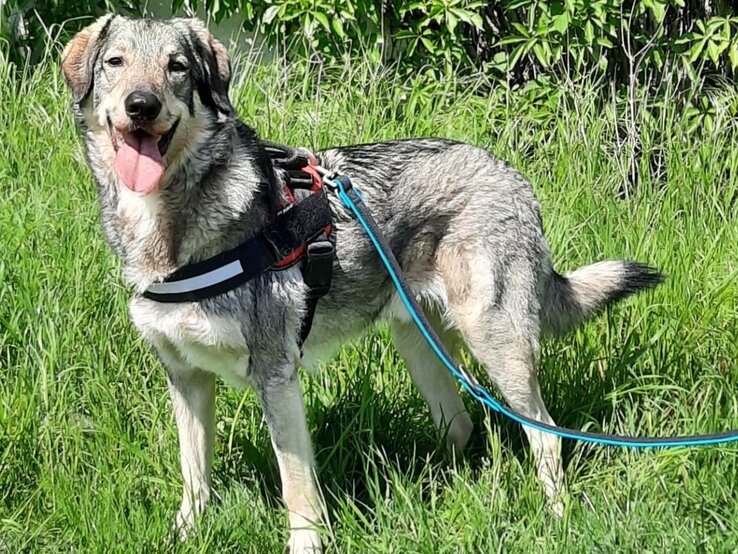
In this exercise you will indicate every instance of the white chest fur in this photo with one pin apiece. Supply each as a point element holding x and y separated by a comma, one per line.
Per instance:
<point>207,342</point>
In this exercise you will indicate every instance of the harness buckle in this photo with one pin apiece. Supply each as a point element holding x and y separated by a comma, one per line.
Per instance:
<point>318,268</point>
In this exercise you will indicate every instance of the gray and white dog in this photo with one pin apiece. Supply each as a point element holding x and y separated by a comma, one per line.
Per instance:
<point>181,179</point>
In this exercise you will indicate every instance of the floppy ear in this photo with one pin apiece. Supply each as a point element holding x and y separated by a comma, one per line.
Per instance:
<point>80,55</point>
<point>212,68</point>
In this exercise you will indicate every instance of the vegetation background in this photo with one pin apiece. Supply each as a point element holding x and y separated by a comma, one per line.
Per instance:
<point>622,115</point>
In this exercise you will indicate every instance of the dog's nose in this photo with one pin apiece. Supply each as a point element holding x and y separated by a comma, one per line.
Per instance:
<point>142,105</point>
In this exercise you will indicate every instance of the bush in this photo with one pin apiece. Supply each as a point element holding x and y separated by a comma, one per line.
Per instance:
<point>514,41</point>
<point>634,52</point>
<point>27,27</point>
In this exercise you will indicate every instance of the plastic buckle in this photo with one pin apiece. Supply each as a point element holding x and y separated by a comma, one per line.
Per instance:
<point>318,270</point>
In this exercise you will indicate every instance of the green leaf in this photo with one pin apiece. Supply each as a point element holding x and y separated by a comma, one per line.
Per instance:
<point>515,4</point>
<point>270,14</point>
<point>451,21</point>
<point>518,52</point>
<point>428,44</point>
<point>725,31</point>
<point>542,53</point>
<point>713,51</point>
<point>543,26</point>
<point>659,10</point>
<point>308,24</point>
<point>323,20</point>
<point>691,112</point>
<point>521,29</point>
<point>709,123</point>
<point>733,55</point>
<point>658,57</point>
<point>688,37</point>
<point>404,8</point>
<point>468,17</point>
<point>713,23</point>
<point>510,40</point>
<point>435,13</point>
<point>696,50</point>
<point>560,23</point>
<point>689,70</point>
<point>589,33</point>
<point>722,46</point>
<point>337,25</point>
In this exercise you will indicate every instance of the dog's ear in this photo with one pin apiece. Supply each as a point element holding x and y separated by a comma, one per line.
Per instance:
<point>80,55</point>
<point>212,68</point>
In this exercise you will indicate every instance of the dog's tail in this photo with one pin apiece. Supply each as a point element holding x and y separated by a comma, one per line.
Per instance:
<point>574,297</point>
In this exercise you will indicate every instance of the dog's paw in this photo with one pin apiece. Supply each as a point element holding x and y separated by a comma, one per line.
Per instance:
<point>556,507</point>
<point>304,541</point>
<point>184,524</point>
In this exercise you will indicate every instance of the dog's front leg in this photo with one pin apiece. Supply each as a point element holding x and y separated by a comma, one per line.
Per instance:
<point>193,399</point>
<point>285,414</point>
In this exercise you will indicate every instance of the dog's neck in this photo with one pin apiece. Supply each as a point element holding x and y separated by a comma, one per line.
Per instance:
<point>217,194</point>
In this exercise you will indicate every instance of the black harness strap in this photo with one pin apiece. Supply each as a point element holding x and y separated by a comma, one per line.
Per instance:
<point>255,256</point>
<point>317,274</point>
<point>299,223</point>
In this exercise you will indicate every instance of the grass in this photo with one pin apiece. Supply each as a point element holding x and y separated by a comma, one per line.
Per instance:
<point>88,457</point>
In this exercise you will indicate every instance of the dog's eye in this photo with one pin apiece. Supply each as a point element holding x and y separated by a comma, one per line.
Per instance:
<point>115,61</point>
<point>177,67</point>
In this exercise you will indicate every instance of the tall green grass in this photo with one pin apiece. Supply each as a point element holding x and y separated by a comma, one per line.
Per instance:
<point>88,457</point>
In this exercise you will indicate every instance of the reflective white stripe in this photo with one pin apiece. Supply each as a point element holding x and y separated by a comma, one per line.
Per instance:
<point>199,281</point>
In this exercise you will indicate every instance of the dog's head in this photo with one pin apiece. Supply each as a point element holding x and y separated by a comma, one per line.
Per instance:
<point>150,86</point>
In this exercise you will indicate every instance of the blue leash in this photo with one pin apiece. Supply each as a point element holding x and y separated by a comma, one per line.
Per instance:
<point>353,201</point>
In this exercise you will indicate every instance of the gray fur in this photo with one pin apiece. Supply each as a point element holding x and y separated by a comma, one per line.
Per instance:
<point>464,225</point>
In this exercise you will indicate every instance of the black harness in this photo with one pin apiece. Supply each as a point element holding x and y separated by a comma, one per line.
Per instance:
<point>300,233</point>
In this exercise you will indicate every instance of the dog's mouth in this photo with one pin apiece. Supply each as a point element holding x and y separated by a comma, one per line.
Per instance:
<point>139,157</point>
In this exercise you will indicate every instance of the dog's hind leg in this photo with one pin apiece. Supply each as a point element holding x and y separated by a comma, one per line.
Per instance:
<point>284,410</point>
<point>497,314</point>
<point>193,399</point>
<point>509,358</point>
<point>435,383</point>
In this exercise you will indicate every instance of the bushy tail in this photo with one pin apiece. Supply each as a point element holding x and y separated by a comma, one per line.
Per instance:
<point>576,296</point>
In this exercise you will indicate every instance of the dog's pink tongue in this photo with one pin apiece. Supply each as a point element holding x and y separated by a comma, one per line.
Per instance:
<point>138,163</point>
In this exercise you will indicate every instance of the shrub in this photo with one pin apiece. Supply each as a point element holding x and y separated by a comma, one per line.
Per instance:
<point>514,41</point>
<point>27,26</point>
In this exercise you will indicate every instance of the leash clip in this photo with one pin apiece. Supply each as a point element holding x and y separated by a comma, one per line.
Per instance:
<point>330,178</point>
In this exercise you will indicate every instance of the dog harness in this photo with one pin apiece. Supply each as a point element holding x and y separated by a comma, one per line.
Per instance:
<point>301,232</point>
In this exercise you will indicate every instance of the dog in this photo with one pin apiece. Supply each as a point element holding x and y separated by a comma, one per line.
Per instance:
<point>180,179</point>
